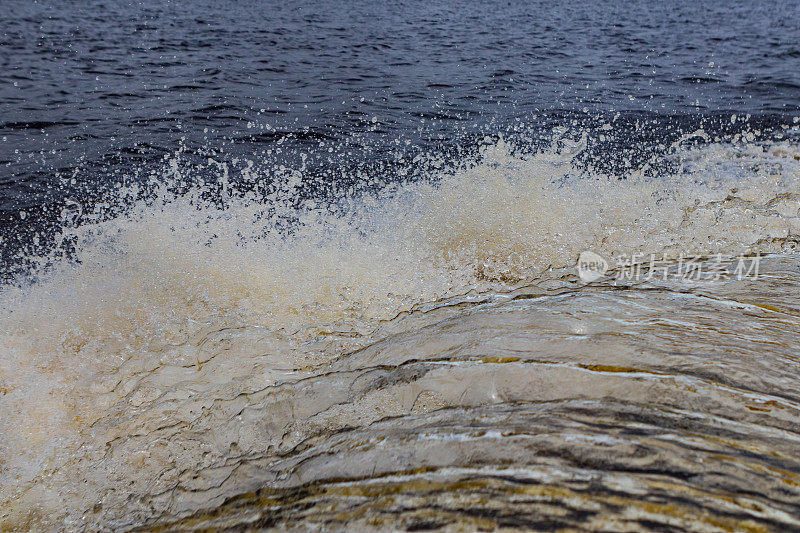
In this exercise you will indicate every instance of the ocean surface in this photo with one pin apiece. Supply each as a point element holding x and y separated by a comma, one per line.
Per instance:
<point>315,266</point>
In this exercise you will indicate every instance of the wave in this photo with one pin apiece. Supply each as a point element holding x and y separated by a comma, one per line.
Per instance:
<point>111,333</point>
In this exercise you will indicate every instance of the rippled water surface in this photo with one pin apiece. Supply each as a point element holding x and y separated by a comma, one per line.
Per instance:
<point>313,266</point>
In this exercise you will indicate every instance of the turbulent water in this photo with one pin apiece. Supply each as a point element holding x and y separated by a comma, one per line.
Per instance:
<point>337,288</point>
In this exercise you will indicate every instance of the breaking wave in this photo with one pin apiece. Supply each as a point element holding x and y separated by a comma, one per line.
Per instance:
<point>137,353</point>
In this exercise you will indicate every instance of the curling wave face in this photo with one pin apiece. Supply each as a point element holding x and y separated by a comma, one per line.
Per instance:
<point>419,354</point>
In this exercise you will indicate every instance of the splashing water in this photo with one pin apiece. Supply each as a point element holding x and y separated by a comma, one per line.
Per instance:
<point>420,342</point>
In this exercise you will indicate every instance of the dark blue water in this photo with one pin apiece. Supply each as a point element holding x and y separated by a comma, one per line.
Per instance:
<point>98,91</point>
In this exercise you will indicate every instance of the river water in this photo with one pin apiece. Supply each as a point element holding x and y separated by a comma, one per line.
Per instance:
<point>314,266</point>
